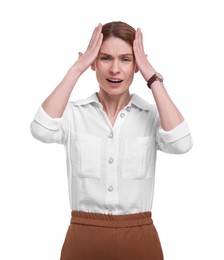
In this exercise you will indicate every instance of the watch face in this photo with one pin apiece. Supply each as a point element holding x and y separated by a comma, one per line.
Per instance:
<point>159,77</point>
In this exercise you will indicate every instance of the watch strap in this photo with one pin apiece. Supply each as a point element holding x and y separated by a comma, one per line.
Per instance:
<point>151,80</point>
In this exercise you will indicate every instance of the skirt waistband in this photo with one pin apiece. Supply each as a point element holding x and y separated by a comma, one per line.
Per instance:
<point>107,220</point>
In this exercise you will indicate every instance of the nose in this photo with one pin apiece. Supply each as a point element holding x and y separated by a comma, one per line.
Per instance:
<point>114,69</point>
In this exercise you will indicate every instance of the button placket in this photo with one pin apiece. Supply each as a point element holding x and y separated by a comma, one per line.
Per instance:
<point>110,136</point>
<point>111,177</point>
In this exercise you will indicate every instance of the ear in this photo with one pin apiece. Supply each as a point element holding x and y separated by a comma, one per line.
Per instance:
<point>93,66</point>
<point>136,69</point>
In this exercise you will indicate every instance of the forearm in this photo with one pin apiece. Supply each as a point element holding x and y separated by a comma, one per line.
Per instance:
<point>170,116</point>
<point>56,102</point>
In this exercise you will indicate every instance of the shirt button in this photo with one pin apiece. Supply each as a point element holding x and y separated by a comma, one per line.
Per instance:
<point>110,188</point>
<point>110,135</point>
<point>128,108</point>
<point>122,115</point>
<point>110,160</point>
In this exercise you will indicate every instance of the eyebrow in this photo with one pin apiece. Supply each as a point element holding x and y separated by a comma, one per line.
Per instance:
<point>125,54</point>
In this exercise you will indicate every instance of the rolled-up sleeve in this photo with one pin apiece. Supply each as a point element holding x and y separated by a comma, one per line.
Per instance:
<point>48,129</point>
<point>176,141</point>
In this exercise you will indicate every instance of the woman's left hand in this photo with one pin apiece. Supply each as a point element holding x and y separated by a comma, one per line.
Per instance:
<point>142,62</point>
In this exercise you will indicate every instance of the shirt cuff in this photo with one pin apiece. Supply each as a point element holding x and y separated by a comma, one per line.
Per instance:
<point>176,133</point>
<point>46,121</point>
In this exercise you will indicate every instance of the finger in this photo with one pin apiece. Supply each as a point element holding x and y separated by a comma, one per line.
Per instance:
<point>137,45</point>
<point>96,35</point>
<point>140,40</point>
<point>137,37</point>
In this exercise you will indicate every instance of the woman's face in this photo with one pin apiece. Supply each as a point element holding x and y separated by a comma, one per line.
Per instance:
<point>115,66</point>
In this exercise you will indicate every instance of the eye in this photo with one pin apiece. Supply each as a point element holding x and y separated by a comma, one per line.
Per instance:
<point>126,59</point>
<point>105,58</point>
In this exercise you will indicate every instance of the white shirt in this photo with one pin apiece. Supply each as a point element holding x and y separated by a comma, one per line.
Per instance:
<point>111,169</point>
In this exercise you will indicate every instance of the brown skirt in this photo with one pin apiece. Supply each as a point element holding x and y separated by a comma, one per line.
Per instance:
<point>93,236</point>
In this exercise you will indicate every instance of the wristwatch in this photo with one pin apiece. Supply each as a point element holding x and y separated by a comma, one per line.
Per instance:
<point>156,76</point>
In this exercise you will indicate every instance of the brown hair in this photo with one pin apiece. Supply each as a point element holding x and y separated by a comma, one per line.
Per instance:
<point>120,30</point>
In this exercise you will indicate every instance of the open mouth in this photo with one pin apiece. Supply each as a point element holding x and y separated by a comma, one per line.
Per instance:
<point>114,80</point>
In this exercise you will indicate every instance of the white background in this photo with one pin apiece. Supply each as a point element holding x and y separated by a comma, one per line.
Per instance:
<point>39,42</point>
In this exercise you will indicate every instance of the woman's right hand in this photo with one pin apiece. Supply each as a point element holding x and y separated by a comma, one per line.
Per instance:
<point>56,102</point>
<point>87,58</point>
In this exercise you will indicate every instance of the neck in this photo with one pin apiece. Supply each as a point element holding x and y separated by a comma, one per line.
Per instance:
<point>113,104</point>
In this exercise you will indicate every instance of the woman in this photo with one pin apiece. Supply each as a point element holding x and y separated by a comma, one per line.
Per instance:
<point>111,139</point>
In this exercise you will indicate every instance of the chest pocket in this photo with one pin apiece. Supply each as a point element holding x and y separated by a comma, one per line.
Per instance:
<point>86,156</point>
<point>137,158</point>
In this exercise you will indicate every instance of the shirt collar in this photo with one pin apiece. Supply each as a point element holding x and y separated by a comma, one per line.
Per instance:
<point>92,99</point>
<point>139,102</point>
<point>136,101</point>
